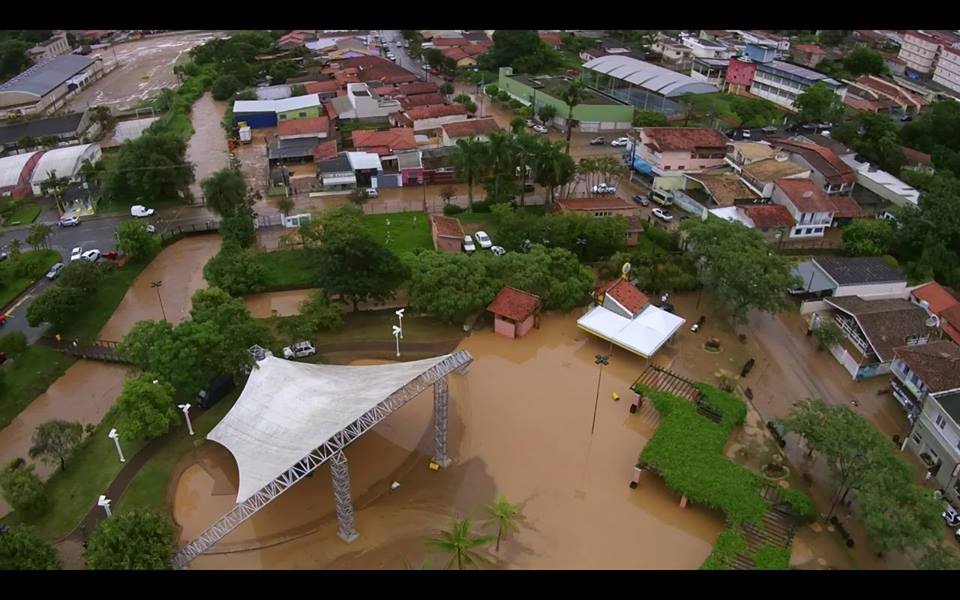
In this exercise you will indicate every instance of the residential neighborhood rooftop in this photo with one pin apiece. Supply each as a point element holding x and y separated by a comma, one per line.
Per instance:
<point>887,324</point>
<point>806,195</point>
<point>771,169</point>
<point>936,363</point>
<point>851,270</point>
<point>684,139</point>
<point>769,216</point>
<point>470,127</point>
<point>516,305</point>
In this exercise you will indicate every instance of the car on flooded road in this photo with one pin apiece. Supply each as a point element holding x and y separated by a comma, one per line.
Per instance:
<point>598,141</point>
<point>299,350</point>
<point>540,129</point>
<point>76,254</point>
<point>641,200</point>
<point>68,221</point>
<point>140,211</point>
<point>603,189</point>
<point>91,255</point>
<point>620,142</point>
<point>663,215</point>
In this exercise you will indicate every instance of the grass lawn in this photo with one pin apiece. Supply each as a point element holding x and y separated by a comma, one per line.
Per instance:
<point>71,493</point>
<point>148,488</point>
<point>30,375</point>
<point>485,221</point>
<point>408,231</point>
<point>27,213</point>
<point>99,306</point>
<point>11,287</point>
<point>289,269</point>
<point>375,326</point>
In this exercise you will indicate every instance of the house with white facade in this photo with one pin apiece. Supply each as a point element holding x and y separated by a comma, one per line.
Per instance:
<point>807,204</point>
<point>868,277</point>
<point>947,71</point>
<point>367,104</point>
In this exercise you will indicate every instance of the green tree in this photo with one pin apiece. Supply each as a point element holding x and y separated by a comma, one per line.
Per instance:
<point>236,271</point>
<point>298,90</point>
<point>233,321</point>
<point>819,103</point>
<point>505,517</point>
<point>832,38</point>
<point>460,543</point>
<point>517,125</point>
<point>451,287</point>
<point>868,238</point>
<point>55,440</point>
<point>135,540</point>
<point>225,192</point>
<point>546,113</point>
<point>521,49</point>
<point>739,267</point>
<point>446,193</point>
<point>26,142</point>
<point>446,88</point>
<point>927,239</point>
<point>55,186</point>
<point>13,343</point>
<point>23,550</point>
<point>13,57</point>
<point>573,96</point>
<point>225,86</point>
<point>285,205</point>
<point>22,489</point>
<point>526,148</point>
<point>864,61</point>
<point>553,274</point>
<point>142,339</point>
<point>938,557</point>
<point>553,168</point>
<point>135,241</point>
<point>470,162</point>
<point>320,313</point>
<point>15,245</point>
<point>239,228</point>
<point>39,236</point>
<point>649,118</point>
<point>81,275</point>
<point>828,335</point>
<point>151,167</point>
<point>55,305</point>
<point>146,407</point>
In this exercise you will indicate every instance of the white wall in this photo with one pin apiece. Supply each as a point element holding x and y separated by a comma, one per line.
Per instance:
<point>874,291</point>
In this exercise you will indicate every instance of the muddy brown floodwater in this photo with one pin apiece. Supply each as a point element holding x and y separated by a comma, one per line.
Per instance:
<point>207,148</point>
<point>520,426</point>
<point>180,269</point>
<point>84,393</point>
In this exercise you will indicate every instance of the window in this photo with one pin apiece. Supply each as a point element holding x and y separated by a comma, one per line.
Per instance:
<point>818,230</point>
<point>807,231</point>
<point>941,422</point>
<point>666,168</point>
<point>680,168</point>
<point>917,437</point>
<point>303,114</point>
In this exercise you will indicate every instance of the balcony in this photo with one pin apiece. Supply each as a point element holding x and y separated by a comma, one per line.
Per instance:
<point>909,402</point>
<point>852,331</point>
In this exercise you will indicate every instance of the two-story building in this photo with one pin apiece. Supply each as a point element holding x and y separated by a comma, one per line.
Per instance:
<point>942,303</point>
<point>665,154</point>
<point>367,104</point>
<point>831,174</point>
<point>931,374</point>
<point>807,204</point>
<point>702,48</point>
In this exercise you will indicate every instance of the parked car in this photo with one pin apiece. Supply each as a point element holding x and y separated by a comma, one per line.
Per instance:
<point>54,271</point>
<point>483,239</point>
<point>299,350</point>
<point>662,214</point>
<point>371,193</point>
<point>951,516</point>
<point>215,390</point>
<point>906,118</point>
<point>138,210</point>
<point>498,250</point>
<point>425,67</point>
<point>91,255</point>
<point>603,188</point>
<point>769,129</point>
<point>598,141</point>
<point>530,123</point>
<point>540,129</point>
<point>468,245</point>
<point>621,141</point>
<point>258,352</point>
<point>76,253</point>
<point>392,56</point>
<point>641,200</point>
<point>68,221</point>
<point>746,134</point>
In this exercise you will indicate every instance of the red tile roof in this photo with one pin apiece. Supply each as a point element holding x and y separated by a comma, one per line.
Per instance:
<point>436,110</point>
<point>321,87</point>
<point>387,73</point>
<point>422,100</point>
<point>449,42</point>
<point>915,157</point>
<point>810,49</point>
<point>769,216</point>
<point>891,89</point>
<point>550,38</point>
<point>455,54</point>
<point>684,139</point>
<point>346,76</point>
<point>596,203</point>
<point>937,364</point>
<point>828,164</point>
<point>303,126</point>
<point>330,109</point>
<point>514,304</point>
<point>384,142</point>
<point>471,127</point>
<point>860,103</point>
<point>419,87</point>
<point>952,327</point>
<point>447,226</point>
<point>476,49</point>
<point>626,294</point>
<point>325,150</point>
<point>845,207</point>
<point>938,297</point>
<point>805,195</point>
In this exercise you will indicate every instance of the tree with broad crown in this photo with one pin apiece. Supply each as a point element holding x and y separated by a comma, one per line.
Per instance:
<point>573,96</point>
<point>136,540</point>
<point>864,61</point>
<point>139,342</point>
<point>284,204</point>
<point>927,238</point>
<point>320,313</point>
<point>505,517</point>
<point>55,440</point>
<point>225,192</point>
<point>517,125</point>
<point>235,271</point>
<point>225,86</point>
<point>135,241</point>
<point>546,113</point>
<point>470,163</point>
<point>451,287</point>
<point>56,305</point>
<point>461,543</point>
<point>82,275</point>
<point>13,343</point>
<point>818,104</point>
<point>146,407</point>
<point>23,550</point>
<point>239,228</point>
<point>828,335</point>
<point>151,167</point>
<point>21,488</point>
<point>232,319</point>
<point>554,274</point>
<point>868,238</point>
<point>39,235</point>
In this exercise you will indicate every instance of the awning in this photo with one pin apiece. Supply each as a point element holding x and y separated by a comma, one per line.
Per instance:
<point>349,180</point>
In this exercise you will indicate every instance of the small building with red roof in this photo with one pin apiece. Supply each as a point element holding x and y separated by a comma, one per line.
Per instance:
<point>514,312</point>
<point>943,303</point>
<point>807,204</point>
<point>316,127</point>
<point>447,233</point>
<point>383,143</point>
<point>471,128</point>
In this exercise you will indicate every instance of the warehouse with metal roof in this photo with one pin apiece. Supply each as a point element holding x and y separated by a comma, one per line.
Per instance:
<point>11,168</point>
<point>644,85</point>
<point>44,86</point>
<point>66,162</point>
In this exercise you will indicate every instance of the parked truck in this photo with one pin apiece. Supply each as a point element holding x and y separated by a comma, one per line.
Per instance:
<point>215,391</point>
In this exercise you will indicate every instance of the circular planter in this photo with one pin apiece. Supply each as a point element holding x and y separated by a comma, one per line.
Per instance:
<point>776,473</point>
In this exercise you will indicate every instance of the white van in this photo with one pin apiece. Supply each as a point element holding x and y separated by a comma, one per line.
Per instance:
<point>661,197</point>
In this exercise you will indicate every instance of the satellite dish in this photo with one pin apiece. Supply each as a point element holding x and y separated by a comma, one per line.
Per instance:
<point>932,321</point>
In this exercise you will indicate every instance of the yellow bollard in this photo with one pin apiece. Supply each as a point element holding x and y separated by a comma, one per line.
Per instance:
<point>615,396</point>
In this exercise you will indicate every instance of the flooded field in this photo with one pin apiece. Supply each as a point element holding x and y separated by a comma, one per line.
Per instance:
<point>287,303</point>
<point>84,393</point>
<point>180,269</point>
<point>207,149</point>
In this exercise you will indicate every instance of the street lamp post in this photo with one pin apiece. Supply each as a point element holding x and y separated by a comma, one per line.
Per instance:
<point>186,413</point>
<point>116,440</point>
<point>399,314</point>
<point>157,285</point>
<point>601,360</point>
<point>104,502</point>
<point>396,336</point>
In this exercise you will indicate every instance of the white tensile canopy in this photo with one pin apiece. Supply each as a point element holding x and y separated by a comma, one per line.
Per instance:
<point>643,334</point>
<point>287,409</point>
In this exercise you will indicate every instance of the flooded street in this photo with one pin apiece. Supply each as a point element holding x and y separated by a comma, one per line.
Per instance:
<point>84,393</point>
<point>207,149</point>
<point>277,304</point>
<point>180,268</point>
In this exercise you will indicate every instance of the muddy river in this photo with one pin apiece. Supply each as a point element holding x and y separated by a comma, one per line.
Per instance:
<point>207,149</point>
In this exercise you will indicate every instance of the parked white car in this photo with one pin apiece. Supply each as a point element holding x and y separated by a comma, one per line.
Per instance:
<point>468,245</point>
<point>91,255</point>
<point>540,129</point>
<point>139,210</point>
<point>76,253</point>
<point>371,193</point>
<point>662,214</point>
<point>483,239</point>
<point>54,271</point>
<point>69,221</point>
<point>498,250</point>
<point>619,142</point>
<point>603,188</point>
<point>299,350</point>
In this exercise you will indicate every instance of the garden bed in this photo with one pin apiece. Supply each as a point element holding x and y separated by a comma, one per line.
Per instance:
<point>10,286</point>
<point>25,214</point>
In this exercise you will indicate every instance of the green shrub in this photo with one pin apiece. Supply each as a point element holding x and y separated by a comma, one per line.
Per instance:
<point>733,410</point>
<point>235,271</point>
<point>801,502</point>
<point>772,558</point>
<point>453,209</point>
<point>13,342</point>
<point>22,488</point>
<point>729,543</point>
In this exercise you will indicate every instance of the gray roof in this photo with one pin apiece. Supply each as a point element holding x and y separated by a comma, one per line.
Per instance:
<point>65,126</point>
<point>887,324</point>
<point>293,148</point>
<point>814,281</point>
<point>649,76</point>
<point>858,270</point>
<point>797,71</point>
<point>42,78</point>
<point>951,404</point>
<point>340,164</point>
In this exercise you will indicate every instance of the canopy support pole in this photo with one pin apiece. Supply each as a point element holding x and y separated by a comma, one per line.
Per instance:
<point>441,396</point>
<point>347,530</point>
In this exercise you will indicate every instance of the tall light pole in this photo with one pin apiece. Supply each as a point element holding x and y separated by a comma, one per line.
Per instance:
<point>399,314</point>
<point>186,413</point>
<point>601,360</point>
<point>116,440</point>
<point>157,285</point>
<point>104,502</point>
<point>396,336</point>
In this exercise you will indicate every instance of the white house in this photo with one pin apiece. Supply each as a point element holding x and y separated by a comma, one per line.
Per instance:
<point>807,204</point>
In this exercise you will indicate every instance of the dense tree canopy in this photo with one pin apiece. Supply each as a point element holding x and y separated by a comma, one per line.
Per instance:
<point>868,238</point>
<point>451,287</point>
<point>521,49</point>
<point>149,168</point>
<point>927,240</point>
<point>818,104</point>
<point>146,407</point>
<point>55,440</point>
<point>235,271</point>
<point>56,305</point>
<point>135,241</point>
<point>136,540</point>
<point>21,488</point>
<point>874,136</point>
<point>23,550</point>
<point>937,132</point>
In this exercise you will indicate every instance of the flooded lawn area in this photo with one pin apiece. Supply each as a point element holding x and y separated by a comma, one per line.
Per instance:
<point>180,269</point>
<point>277,304</point>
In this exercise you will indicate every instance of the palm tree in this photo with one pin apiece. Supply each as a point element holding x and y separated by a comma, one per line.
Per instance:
<point>553,168</point>
<point>460,542</point>
<point>470,163</point>
<point>502,159</point>
<point>528,146</point>
<point>572,97</point>
<point>56,186</point>
<point>505,516</point>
